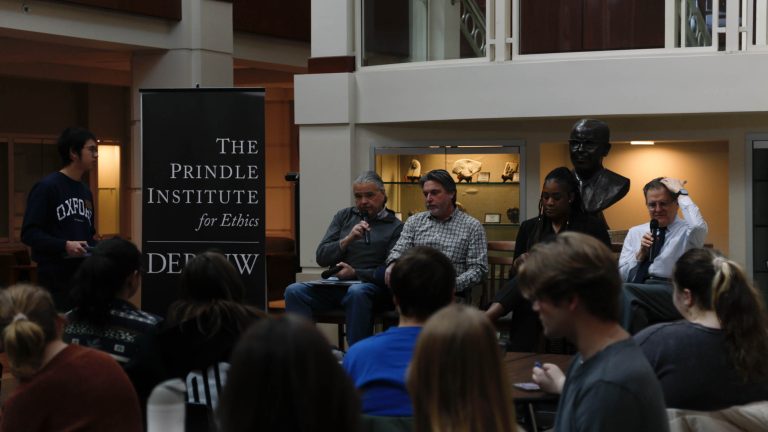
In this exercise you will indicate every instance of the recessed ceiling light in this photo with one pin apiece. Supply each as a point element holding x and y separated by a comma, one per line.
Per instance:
<point>642,142</point>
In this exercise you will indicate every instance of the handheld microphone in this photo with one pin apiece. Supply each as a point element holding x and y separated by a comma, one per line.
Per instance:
<point>366,233</point>
<point>655,237</point>
<point>331,271</point>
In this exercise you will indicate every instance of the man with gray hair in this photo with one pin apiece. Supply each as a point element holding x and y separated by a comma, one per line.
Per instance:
<point>356,245</point>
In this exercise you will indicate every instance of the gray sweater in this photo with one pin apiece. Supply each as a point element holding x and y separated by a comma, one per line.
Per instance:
<point>614,390</point>
<point>364,258</point>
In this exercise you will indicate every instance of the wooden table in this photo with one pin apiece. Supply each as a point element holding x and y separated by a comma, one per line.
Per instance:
<point>519,367</point>
<point>513,356</point>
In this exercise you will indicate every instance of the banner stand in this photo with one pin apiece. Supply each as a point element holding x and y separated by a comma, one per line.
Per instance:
<point>203,187</point>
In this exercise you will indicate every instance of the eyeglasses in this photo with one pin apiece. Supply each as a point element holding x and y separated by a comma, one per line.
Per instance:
<point>586,145</point>
<point>93,149</point>
<point>660,204</point>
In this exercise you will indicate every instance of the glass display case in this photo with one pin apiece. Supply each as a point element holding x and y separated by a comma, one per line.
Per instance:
<point>488,181</point>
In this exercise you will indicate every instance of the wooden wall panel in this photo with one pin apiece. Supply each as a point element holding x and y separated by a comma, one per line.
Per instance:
<point>281,158</point>
<point>323,65</point>
<point>281,19</point>
<point>649,24</point>
<point>623,24</point>
<point>549,26</point>
<point>168,9</point>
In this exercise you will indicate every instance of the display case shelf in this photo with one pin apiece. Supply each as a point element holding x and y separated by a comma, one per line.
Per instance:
<point>487,201</point>
<point>475,183</point>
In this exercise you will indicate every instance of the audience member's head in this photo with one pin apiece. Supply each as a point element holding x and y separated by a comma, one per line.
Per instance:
<point>72,140</point>
<point>283,377</point>
<point>112,271</point>
<point>29,321</point>
<point>422,281</point>
<point>572,269</point>
<point>209,276</point>
<point>707,281</point>
<point>211,291</point>
<point>456,379</point>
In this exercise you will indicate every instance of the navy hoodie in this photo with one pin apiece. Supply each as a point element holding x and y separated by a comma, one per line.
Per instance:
<point>58,209</point>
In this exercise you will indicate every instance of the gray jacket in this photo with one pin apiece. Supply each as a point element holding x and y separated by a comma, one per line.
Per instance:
<point>364,258</point>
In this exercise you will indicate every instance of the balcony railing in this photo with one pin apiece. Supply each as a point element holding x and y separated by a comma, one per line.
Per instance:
<point>404,31</point>
<point>473,26</point>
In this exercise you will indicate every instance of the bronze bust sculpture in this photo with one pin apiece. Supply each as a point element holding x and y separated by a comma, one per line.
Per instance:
<point>600,188</point>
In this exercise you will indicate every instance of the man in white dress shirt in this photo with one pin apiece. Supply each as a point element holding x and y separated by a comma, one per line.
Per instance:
<point>648,259</point>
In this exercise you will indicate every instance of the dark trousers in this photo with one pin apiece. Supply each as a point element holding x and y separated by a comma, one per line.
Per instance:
<point>525,328</point>
<point>359,301</point>
<point>646,304</point>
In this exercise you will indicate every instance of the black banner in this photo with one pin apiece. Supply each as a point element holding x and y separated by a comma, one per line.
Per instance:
<point>202,187</point>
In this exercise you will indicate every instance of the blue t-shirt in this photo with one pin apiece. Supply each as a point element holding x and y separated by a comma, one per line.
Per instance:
<point>377,366</point>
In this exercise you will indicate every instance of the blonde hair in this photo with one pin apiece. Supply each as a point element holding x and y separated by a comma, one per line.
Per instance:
<point>457,379</point>
<point>28,318</point>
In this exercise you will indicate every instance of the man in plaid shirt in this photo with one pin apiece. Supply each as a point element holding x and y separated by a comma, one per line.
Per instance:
<point>446,228</point>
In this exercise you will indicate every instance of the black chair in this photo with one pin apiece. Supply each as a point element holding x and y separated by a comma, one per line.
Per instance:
<point>338,317</point>
<point>500,261</point>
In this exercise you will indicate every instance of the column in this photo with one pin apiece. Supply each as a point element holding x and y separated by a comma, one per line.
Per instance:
<point>200,53</point>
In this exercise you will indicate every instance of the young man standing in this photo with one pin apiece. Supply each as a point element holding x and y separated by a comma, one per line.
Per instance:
<point>422,282</point>
<point>574,285</point>
<point>58,222</point>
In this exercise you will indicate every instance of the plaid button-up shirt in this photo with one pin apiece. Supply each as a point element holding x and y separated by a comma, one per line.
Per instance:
<point>460,237</point>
